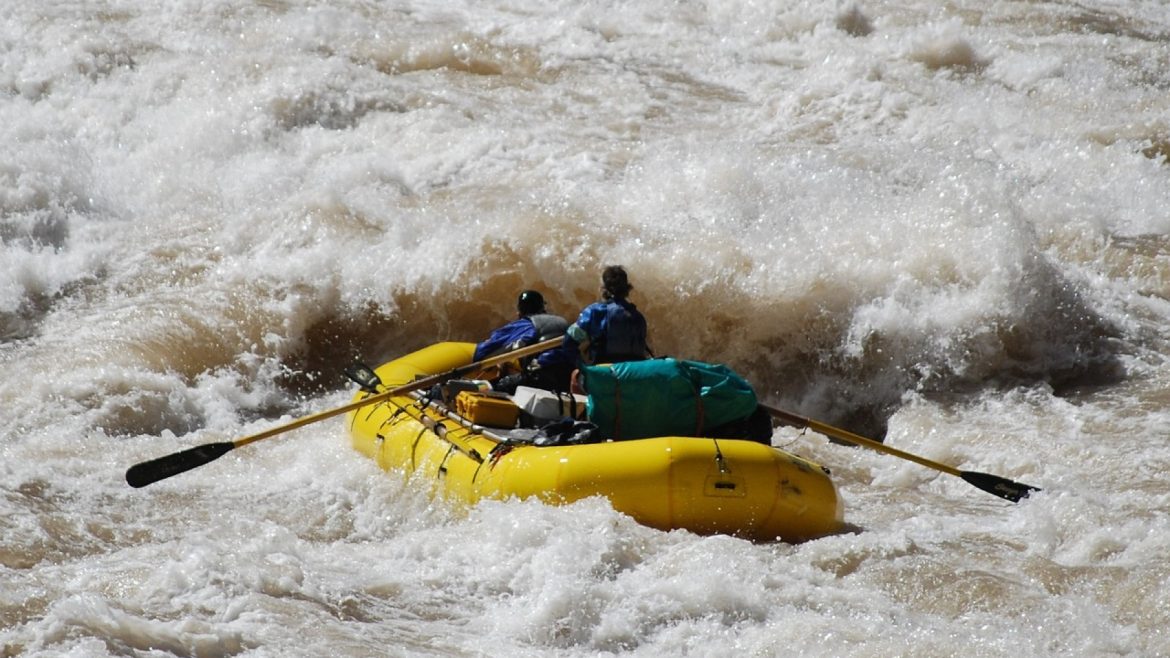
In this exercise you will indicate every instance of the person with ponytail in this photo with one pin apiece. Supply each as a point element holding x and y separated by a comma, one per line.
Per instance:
<point>612,330</point>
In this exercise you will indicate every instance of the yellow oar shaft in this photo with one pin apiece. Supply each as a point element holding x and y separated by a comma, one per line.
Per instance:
<point>857,439</point>
<point>144,473</point>
<point>992,484</point>
<point>415,385</point>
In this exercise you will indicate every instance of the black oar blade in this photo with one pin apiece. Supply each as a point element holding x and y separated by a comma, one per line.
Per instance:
<point>999,486</point>
<point>140,475</point>
<point>364,376</point>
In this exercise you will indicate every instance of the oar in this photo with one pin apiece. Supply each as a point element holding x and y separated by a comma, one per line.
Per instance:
<point>992,484</point>
<point>148,472</point>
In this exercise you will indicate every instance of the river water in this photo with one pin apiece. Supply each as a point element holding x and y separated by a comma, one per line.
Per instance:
<point>945,225</point>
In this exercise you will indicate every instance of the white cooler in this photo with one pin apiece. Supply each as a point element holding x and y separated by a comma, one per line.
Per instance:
<point>546,405</point>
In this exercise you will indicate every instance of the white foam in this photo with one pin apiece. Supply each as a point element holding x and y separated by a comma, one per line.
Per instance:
<point>945,217</point>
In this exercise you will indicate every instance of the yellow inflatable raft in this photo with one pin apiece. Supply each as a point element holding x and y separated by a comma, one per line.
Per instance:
<point>703,485</point>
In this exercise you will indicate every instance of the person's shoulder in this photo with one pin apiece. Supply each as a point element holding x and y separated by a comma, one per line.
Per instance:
<point>512,328</point>
<point>548,322</point>
<point>633,311</point>
<point>595,307</point>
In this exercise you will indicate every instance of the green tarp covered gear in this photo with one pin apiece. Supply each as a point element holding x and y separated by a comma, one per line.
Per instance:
<point>664,397</point>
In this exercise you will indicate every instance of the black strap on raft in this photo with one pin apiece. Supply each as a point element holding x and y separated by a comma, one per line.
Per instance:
<point>566,404</point>
<point>719,460</point>
<point>414,448</point>
<point>390,418</point>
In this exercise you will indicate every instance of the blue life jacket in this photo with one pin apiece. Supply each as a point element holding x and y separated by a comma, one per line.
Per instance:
<point>615,332</point>
<point>623,334</point>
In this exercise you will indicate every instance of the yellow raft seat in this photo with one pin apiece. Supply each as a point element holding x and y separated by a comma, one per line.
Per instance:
<point>706,486</point>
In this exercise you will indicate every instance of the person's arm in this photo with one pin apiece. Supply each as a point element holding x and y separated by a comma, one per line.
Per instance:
<point>580,334</point>
<point>516,333</point>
